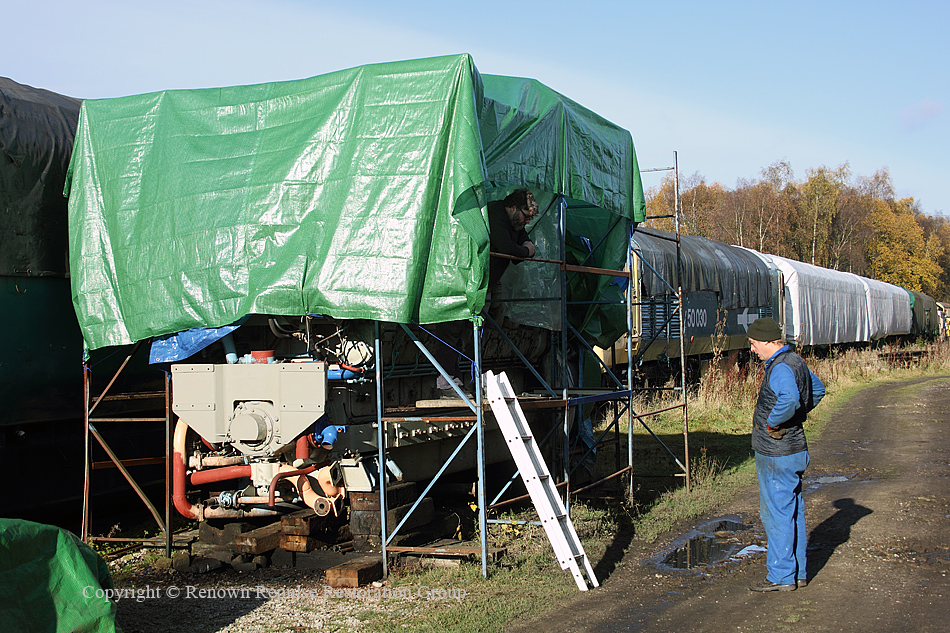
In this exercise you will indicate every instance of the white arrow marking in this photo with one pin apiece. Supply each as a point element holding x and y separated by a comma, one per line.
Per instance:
<point>745,319</point>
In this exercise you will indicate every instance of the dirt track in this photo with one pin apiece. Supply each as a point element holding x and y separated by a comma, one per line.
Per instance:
<point>878,514</point>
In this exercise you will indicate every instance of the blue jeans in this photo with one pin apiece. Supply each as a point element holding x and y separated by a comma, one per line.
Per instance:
<point>782,509</point>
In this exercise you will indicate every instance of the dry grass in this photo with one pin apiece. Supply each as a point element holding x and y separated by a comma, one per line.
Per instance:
<point>727,388</point>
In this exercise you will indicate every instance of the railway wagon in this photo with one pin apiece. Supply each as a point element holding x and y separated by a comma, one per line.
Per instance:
<point>831,307</point>
<point>725,288</point>
<point>41,345</point>
<point>40,340</point>
<point>288,247</point>
<point>926,321</point>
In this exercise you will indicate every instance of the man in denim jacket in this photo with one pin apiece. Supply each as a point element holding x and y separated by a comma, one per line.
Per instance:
<point>789,391</point>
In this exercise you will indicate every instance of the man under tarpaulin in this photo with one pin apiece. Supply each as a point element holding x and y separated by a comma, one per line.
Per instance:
<point>507,220</point>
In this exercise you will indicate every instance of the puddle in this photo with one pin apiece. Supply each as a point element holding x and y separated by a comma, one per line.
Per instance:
<point>713,543</point>
<point>813,483</point>
<point>830,480</point>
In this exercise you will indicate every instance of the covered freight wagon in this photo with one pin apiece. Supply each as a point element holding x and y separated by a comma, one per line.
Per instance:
<point>889,309</point>
<point>40,341</point>
<point>926,315</point>
<point>831,307</point>
<point>822,306</point>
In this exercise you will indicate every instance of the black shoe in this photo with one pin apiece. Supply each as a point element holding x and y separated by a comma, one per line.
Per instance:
<point>770,586</point>
<point>801,582</point>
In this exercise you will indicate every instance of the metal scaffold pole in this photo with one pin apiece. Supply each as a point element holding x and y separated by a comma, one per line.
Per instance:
<point>562,244</point>
<point>629,298</point>
<point>480,425</point>
<point>169,456</point>
<point>87,459</point>
<point>679,296</point>
<point>381,450</point>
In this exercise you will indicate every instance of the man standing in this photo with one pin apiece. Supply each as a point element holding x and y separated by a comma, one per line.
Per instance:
<point>789,391</point>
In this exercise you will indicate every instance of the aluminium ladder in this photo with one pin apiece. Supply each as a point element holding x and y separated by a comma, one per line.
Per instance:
<point>560,530</point>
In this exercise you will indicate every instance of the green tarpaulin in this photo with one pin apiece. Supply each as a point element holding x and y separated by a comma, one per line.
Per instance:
<point>357,194</point>
<point>52,581</point>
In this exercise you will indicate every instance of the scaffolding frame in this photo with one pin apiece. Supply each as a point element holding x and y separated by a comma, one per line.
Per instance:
<point>623,395</point>
<point>91,432</point>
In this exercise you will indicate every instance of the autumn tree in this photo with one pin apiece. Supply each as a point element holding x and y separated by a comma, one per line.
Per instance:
<point>815,209</point>
<point>661,204</point>
<point>850,232</point>
<point>779,175</point>
<point>937,244</point>
<point>701,206</point>
<point>897,252</point>
<point>851,229</point>
<point>879,186</point>
<point>766,216</point>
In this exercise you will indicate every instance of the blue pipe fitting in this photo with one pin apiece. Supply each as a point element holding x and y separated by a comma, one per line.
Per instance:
<point>325,434</point>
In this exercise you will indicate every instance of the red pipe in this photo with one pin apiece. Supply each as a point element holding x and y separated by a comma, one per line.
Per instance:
<point>303,446</point>
<point>272,491</point>
<point>178,475</point>
<point>219,474</point>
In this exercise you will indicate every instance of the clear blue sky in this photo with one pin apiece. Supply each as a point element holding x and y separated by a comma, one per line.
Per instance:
<point>731,86</point>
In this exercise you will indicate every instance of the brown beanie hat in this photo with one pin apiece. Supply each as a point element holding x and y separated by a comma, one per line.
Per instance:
<point>765,329</point>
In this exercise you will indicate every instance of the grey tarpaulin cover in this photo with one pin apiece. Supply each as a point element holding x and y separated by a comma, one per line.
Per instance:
<point>826,307</point>
<point>737,276</point>
<point>37,128</point>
